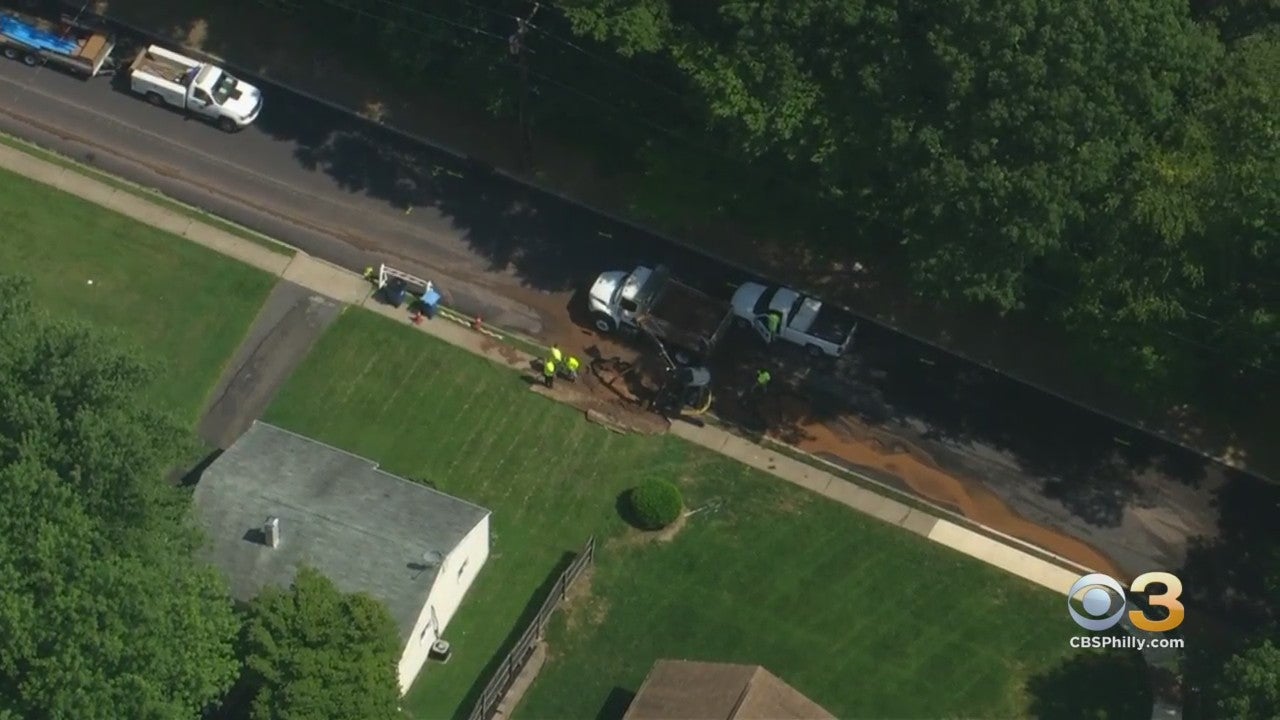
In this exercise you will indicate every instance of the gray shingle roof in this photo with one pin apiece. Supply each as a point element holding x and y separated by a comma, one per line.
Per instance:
<point>365,529</point>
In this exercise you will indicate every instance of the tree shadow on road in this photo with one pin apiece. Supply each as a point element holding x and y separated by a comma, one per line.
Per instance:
<point>549,243</point>
<point>1091,464</point>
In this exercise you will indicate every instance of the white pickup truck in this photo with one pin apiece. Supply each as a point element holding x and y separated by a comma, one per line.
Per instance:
<point>804,321</point>
<point>208,91</point>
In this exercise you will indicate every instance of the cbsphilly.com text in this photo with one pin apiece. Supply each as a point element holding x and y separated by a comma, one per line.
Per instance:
<point>1124,642</point>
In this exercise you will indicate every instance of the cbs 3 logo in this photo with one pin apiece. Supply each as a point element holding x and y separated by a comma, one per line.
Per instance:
<point>1103,601</point>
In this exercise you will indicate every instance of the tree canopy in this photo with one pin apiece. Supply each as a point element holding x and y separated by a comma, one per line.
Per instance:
<point>1108,167</point>
<point>103,613</point>
<point>313,653</point>
<point>1249,687</point>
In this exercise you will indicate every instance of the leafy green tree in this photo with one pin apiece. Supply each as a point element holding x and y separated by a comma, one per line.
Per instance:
<point>1105,167</point>
<point>313,652</point>
<point>1109,168</point>
<point>1189,278</point>
<point>980,131</point>
<point>103,614</point>
<point>1250,684</point>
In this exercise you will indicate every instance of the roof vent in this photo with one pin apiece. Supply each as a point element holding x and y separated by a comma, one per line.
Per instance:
<point>271,532</point>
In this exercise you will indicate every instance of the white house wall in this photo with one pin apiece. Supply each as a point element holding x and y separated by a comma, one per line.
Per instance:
<point>457,572</point>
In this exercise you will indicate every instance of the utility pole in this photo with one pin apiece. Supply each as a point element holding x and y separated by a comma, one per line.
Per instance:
<point>516,46</point>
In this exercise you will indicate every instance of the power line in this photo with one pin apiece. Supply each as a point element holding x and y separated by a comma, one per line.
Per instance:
<point>517,48</point>
<point>629,113</point>
<point>552,36</point>
<point>416,11</point>
<point>601,59</point>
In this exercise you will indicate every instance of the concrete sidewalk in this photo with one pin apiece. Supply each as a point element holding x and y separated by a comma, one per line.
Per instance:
<point>350,289</point>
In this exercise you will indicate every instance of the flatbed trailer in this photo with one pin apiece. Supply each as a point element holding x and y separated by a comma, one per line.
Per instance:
<point>66,43</point>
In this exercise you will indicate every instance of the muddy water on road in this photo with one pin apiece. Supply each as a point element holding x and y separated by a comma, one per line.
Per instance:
<point>917,472</point>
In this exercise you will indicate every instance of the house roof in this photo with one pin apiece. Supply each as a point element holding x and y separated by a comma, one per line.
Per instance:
<point>365,529</point>
<point>683,690</point>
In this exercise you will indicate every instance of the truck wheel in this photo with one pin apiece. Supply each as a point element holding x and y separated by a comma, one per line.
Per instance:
<point>155,99</point>
<point>30,60</point>
<point>226,125</point>
<point>814,351</point>
<point>11,53</point>
<point>603,323</point>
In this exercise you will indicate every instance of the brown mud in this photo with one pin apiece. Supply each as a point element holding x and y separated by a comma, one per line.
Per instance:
<point>860,445</point>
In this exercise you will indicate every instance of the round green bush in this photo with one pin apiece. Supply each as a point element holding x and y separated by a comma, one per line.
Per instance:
<point>655,504</point>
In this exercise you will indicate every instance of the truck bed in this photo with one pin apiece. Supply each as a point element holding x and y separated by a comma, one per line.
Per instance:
<point>832,324</point>
<point>689,317</point>
<point>151,64</point>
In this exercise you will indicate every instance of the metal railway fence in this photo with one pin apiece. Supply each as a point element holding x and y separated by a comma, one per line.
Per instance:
<point>507,672</point>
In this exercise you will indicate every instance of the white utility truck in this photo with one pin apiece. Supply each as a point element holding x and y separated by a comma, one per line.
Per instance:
<point>649,299</point>
<point>207,91</point>
<point>805,321</point>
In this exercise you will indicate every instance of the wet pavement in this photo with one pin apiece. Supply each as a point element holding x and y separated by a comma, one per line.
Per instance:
<point>356,193</point>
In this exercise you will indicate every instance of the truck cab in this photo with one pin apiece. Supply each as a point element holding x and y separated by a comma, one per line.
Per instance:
<point>615,298</point>
<point>805,321</point>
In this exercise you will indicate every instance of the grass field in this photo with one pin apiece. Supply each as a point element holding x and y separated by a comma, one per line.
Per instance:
<point>184,306</point>
<point>154,197</point>
<point>866,619</point>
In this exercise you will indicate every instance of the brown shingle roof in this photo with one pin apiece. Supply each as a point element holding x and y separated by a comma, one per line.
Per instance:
<point>683,690</point>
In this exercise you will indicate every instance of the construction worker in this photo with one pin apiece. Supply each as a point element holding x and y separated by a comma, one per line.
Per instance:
<point>369,274</point>
<point>572,366</point>
<point>773,322</point>
<point>549,373</point>
<point>556,355</point>
<point>762,381</point>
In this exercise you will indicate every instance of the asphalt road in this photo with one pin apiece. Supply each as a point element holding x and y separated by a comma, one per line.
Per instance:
<point>352,192</point>
<point>339,187</point>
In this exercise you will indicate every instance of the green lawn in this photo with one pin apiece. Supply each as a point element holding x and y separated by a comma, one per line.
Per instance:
<point>154,197</point>
<point>184,306</point>
<point>865,618</point>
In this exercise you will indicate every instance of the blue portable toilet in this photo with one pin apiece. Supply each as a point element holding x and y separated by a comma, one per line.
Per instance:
<point>394,292</point>
<point>430,302</point>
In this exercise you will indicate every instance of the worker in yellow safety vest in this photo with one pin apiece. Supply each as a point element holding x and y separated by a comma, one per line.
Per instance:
<point>572,366</point>
<point>762,381</point>
<point>772,323</point>
<point>556,354</point>
<point>549,373</point>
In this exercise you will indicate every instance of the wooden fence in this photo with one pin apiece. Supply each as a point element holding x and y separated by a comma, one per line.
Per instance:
<point>493,693</point>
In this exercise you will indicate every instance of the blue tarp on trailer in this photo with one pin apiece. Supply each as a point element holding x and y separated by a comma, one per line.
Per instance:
<point>32,36</point>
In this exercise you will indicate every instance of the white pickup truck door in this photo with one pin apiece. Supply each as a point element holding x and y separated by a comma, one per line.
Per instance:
<point>201,104</point>
<point>782,302</point>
